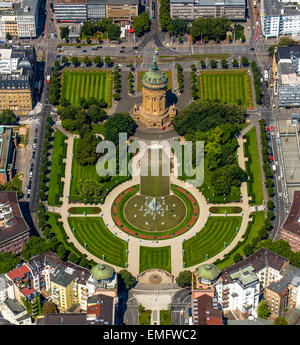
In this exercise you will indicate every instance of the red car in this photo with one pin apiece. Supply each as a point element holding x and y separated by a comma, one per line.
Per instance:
<point>169,124</point>
<point>272,158</point>
<point>164,127</point>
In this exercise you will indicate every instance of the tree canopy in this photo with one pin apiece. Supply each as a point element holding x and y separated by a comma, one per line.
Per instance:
<point>7,117</point>
<point>8,262</point>
<point>118,123</point>
<point>184,279</point>
<point>141,23</point>
<point>263,311</point>
<point>85,152</point>
<point>128,279</point>
<point>210,29</point>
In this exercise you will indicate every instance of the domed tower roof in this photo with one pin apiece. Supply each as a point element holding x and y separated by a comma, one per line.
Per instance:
<point>101,272</point>
<point>154,77</point>
<point>208,272</point>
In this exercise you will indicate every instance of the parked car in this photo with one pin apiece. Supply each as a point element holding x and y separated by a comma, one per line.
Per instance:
<point>123,47</point>
<point>135,47</point>
<point>94,48</point>
<point>84,51</point>
<point>33,154</point>
<point>78,46</point>
<point>99,47</point>
<point>122,51</point>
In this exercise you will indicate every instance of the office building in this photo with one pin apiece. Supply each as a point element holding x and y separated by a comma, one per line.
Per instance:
<point>122,11</point>
<point>29,20</point>
<point>192,9</point>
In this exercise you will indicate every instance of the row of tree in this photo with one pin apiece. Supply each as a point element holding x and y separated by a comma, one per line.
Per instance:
<point>180,78</point>
<point>130,82</point>
<point>194,82</point>
<point>266,158</point>
<point>55,85</point>
<point>7,117</point>
<point>117,83</point>
<point>257,85</point>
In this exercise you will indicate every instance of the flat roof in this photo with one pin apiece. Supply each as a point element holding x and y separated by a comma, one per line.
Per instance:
<point>246,275</point>
<point>276,8</point>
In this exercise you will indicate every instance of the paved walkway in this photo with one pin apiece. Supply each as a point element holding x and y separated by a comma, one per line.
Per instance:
<point>135,243</point>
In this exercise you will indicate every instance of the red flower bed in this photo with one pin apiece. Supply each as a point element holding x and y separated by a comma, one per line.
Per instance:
<point>129,190</point>
<point>129,231</point>
<point>181,231</point>
<point>117,221</point>
<point>145,236</point>
<point>115,209</point>
<point>165,236</point>
<point>192,221</point>
<point>191,198</point>
<point>195,210</point>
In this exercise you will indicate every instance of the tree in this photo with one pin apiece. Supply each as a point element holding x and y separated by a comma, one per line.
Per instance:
<point>85,152</point>
<point>56,64</point>
<point>184,279</point>
<point>49,308</point>
<point>178,27</point>
<point>64,32</point>
<point>64,60</point>
<point>8,262</point>
<point>98,61</point>
<point>245,61</point>
<point>107,61</point>
<point>235,63</point>
<point>213,63</point>
<point>248,249</point>
<point>263,311</point>
<point>224,63</point>
<point>280,321</point>
<point>74,258</point>
<point>8,36</point>
<point>270,205</point>
<point>141,23</point>
<point>95,113</point>
<point>86,60</point>
<point>128,279</point>
<point>7,117</point>
<point>118,123</point>
<point>35,245</point>
<point>75,61</point>
<point>237,257</point>
<point>203,64</point>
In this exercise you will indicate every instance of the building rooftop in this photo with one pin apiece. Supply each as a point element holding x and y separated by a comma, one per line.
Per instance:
<point>292,222</point>
<point>206,312</point>
<point>276,8</point>
<point>258,260</point>
<point>208,272</point>
<point>102,272</point>
<point>68,272</point>
<point>291,274</point>
<point>212,2</point>
<point>28,8</point>
<point>14,306</point>
<point>17,222</point>
<point>246,275</point>
<point>101,309</point>
<point>40,261</point>
<point>280,286</point>
<point>284,53</point>
<point>63,319</point>
<point>18,273</point>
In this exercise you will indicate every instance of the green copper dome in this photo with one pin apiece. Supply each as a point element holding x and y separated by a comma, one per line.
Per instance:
<point>101,272</point>
<point>208,272</point>
<point>154,76</point>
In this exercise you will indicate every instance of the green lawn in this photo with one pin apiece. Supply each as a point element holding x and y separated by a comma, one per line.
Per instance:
<point>252,230</point>
<point>86,210</point>
<point>79,172</point>
<point>99,240</point>
<point>57,171</point>
<point>192,58</point>
<point>227,86</point>
<point>227,209</point>
<point>210,239</point>
<point>159,257</point>
<point>254,183</point>
<point>145,317</point>
<point>87,84</point>
<point>165,318</point>
<point>167,73</point>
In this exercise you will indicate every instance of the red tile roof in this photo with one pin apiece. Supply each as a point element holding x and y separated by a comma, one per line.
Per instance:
<point>26,291</point>
<point>93,309</point>
<point>18,272</point>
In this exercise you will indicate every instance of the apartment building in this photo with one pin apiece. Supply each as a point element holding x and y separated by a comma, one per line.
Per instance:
<point>290,230</point>
<point>17,74</point>
<point>122,11</point>
<point>14,231</point>
<point>24,293</point>
<point>14,312</point>
<point>241,285</point>
<point>292,275</point>
<point>280,18</point>
<point>8,24</point>
<point>206,311</point>
<point>192,9</point>
<point>276,295</point>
